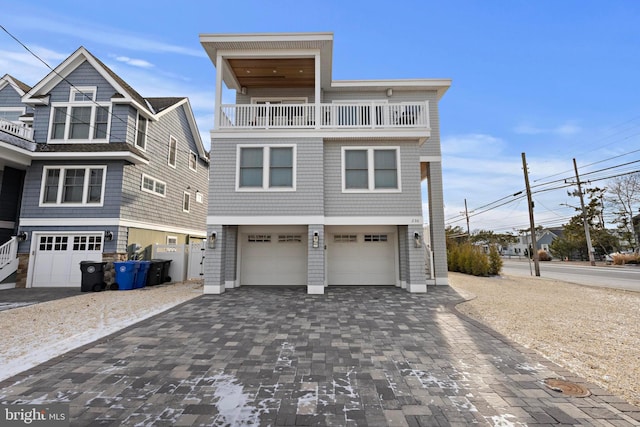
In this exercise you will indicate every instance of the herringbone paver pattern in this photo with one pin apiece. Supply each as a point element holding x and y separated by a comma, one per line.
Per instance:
<point>356,356</point>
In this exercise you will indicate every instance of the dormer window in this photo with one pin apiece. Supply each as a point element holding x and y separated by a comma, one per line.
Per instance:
<point>82,119</point>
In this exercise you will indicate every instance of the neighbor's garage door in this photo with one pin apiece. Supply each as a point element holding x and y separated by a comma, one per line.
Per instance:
<point>57,260</point>
<point>273,259</point>
<point>361,259</point>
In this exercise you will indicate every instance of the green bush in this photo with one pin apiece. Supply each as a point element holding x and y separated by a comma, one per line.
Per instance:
<point>495,262</point>
<point>469,259</point>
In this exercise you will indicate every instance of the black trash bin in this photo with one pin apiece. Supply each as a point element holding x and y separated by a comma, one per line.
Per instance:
<point>92,276</point>
<point>165,270</point>
<point>154,274</point>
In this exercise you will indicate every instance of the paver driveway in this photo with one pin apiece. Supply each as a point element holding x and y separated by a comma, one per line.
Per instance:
<point>371,356</point>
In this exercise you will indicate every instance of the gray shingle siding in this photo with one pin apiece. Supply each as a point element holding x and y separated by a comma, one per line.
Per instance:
<point>306,200</point>
<point>10,98</point>
<point>405,203</point>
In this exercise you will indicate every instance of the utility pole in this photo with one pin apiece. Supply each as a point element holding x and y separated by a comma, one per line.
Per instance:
<point>534,244</point>
<point>587,235</point>
<point>466,213</point>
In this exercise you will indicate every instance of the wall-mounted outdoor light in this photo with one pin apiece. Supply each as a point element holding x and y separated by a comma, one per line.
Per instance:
<point>389,92</point>
<point>316,239</point>
<point>108,235</point>
<point>212,240</point>
<point>416,239</point>
<point>22,236</point>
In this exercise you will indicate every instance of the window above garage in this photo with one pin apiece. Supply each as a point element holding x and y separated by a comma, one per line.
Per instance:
<point>73,185</point>
<point>370,169</point>
<point>266,168</point>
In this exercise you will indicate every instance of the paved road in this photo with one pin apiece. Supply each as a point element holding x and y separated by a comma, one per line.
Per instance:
<point>627,278</point>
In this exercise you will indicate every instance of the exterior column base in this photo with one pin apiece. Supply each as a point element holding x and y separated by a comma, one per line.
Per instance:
<point>315,289</point>
<point>230,284</point>
<point>442,281</point>
<point>213,289</point>
<point>417,288</point>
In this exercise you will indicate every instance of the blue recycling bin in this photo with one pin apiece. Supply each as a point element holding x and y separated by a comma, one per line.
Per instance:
<point>125,274</point>
<point>141,275</point>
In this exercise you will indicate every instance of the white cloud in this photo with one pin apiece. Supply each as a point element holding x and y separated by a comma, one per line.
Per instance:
<point>480,144</point>
<point>26,67</point>
<point>134,62</point>
<point>565,129</point>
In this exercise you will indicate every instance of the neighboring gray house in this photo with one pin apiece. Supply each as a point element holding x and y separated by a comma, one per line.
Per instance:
<point>105,170</point>
<point>317,182</point>
<point>544,238</point>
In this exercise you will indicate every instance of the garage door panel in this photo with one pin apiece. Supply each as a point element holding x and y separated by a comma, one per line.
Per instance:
<point>273,259</point>
<point>361,259</point>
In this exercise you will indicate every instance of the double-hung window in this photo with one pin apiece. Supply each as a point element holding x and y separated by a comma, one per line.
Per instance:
<point>367,169</point>
<point>81,119</point>
<point>141,132</point>
<point>270,168</point>
<point>73,186</point>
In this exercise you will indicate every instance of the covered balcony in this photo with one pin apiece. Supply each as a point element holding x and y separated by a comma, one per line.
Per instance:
<point>356,115</point>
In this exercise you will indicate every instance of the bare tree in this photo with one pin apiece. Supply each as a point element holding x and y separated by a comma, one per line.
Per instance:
<point>623,194</point>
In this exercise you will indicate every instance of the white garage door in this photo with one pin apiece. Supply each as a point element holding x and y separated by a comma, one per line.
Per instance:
<point>361,259</point>
<point>273,259</point>
<point>58,256</point>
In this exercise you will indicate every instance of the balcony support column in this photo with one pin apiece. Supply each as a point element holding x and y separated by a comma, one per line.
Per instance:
<point>318,91</point>
<point>219,74</point>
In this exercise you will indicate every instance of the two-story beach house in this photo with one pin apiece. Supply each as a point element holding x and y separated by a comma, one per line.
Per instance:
<point>103,172</point>
<point>317,182</point>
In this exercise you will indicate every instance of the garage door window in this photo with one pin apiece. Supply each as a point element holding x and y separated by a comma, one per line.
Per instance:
<point>259,238</point>
<point>53,243</point>
<point>375,237</point>
<point>84,243</point>
<point>73,186</point>
<point>345,238</point>
<point>289,238</point>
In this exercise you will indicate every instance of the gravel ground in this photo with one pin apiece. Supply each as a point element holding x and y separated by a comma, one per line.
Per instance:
<point>593,332</point>
<point>36,333</point>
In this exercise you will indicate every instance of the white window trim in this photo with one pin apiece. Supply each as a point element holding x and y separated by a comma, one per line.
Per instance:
<point>22,111</point>
<point>265,168</point>
<point>195,156</point>
<point>146,190</point>
<point>186,195</point>
<point>370,169</point>
<point>93,104</point>
<point>85,187</point>
<point>174,238</point>
<point>135,139</point>
<point>199,197</point>
<point>172,139</point>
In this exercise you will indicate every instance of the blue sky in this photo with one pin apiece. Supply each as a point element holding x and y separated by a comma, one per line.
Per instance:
<point>553,79</point>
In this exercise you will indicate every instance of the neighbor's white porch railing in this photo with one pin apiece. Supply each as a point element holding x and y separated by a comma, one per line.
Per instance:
<point>8,258</point>
<point>17,129</point>
<point>360,115</point>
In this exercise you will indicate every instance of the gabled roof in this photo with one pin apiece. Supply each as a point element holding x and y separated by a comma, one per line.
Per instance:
<point>39,93</point>
<point>19,86</point>
<point>153,108</point>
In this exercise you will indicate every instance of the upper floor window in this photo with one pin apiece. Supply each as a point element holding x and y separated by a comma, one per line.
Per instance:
<point>370,169</point>
<point>81,119</point>
<point>193,161</point>
<point>11,114</point>
<point>141,132</point>
<point>173,151</point>
<point>73,185</point>
<point>270,167</point>
<point>152,185</point>
<point>186,202</point>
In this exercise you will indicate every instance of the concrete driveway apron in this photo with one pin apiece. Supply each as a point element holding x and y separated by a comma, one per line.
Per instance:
<point>356,356</point>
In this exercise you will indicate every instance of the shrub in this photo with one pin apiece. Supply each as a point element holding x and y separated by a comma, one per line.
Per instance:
<point>495,262</point>
<point>543,255</point>
<point>468,259</point>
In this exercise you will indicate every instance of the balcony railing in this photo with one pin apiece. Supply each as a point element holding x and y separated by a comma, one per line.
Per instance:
<point>17,129</point>
<point>361,115</point>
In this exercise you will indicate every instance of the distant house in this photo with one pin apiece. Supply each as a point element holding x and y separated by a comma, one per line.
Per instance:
<point>544,238</point>
<point>101,169</point>
<point>317,182</point>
